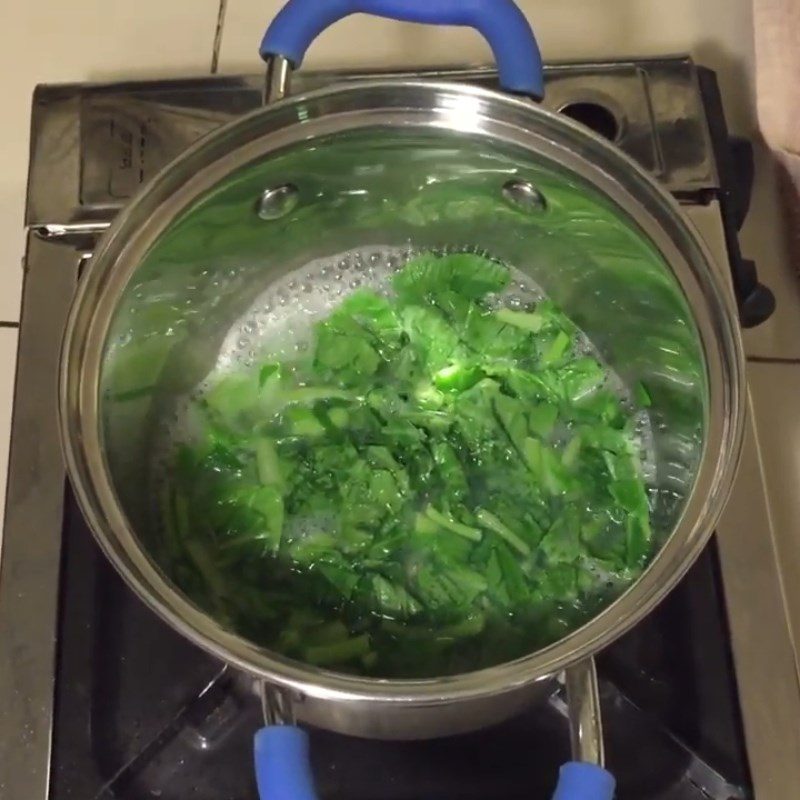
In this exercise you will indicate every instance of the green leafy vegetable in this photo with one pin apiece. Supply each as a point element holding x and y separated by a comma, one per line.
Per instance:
<point>440,484</point>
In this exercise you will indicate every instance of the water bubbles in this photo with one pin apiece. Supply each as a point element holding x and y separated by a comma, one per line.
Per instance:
<point>283,315</point>
<point>280,321</point>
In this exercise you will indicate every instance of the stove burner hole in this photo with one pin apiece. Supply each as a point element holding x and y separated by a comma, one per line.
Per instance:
<point>593,116</point>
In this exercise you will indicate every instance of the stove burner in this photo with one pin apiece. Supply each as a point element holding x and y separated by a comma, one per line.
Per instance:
<point>594,116</point>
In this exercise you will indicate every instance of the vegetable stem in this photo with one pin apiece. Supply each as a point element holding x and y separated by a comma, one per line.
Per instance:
<point>470,626</point>
<point>206,567</point>
<point>490,521</point>
<point>557,348</point>
<point>452,525</point>
<point>528,321</point>
<point>267,463</point>
<point>338,652</point>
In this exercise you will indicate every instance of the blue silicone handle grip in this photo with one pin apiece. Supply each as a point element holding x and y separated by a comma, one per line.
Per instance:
<point>283,770</point>
<point>580,781</point>
<point>502,24</point>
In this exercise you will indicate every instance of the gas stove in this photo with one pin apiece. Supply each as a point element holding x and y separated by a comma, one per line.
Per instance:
<point>99,699</point>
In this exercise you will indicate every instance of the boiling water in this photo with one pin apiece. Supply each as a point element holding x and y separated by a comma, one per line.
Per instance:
<point>279,326</point>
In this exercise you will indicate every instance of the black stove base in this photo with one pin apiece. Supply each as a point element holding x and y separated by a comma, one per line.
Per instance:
<point>142,713</point>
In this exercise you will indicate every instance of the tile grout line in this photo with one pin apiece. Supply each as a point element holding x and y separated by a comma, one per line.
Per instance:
<point>223,7</point>
<point>4,324</point>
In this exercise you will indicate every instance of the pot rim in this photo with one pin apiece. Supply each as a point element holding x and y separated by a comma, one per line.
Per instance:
<point>436,107</point>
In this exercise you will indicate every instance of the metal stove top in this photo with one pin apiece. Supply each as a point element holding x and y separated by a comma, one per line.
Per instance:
<point>99,699</point>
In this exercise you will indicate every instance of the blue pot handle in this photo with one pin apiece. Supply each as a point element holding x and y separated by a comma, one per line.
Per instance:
<point>283,769</point>
<point>500,22</point>
<point>578,780</point>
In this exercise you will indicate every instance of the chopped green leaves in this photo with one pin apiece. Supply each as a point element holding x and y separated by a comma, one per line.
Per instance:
<point>429,490</point>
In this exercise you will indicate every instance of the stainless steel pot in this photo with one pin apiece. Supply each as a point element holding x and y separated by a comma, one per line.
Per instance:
<point>385,164</point>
